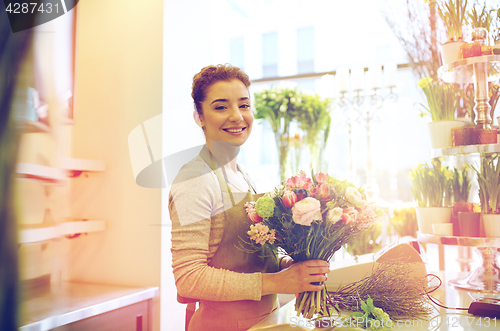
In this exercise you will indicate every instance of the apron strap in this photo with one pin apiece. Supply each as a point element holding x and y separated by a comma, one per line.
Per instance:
<point>245,176</point>
<point>227,196</point>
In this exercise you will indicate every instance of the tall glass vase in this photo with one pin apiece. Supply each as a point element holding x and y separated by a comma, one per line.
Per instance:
<point>282,138</point>
<point>316,147</point>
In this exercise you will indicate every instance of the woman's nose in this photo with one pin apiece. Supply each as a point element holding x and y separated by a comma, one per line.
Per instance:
<point>235,115</point>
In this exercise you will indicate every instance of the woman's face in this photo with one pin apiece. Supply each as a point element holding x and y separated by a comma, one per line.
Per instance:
<point>227,115</point>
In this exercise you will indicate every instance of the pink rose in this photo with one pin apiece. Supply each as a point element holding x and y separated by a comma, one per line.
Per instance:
<point>321,177</point>
<point>289,198</point>
<point>350,214</point>
<point>301,182</point>
<point>306,211</point>
<point>254,217</point>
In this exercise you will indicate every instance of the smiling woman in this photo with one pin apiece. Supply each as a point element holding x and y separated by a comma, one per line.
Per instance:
<point>235,288</point>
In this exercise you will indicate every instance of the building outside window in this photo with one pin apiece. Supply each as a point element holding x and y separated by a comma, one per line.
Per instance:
<point>270,54</point>
<point>305,50</point>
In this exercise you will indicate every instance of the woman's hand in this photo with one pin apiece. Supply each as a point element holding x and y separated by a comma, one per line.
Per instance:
<point>296,278</point>
<point>285,262</point>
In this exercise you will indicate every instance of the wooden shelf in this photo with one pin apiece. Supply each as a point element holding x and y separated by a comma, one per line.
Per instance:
<point>40,172</point>
<point>34,126</point>
<point>76,166</point>
<point>43,232</point>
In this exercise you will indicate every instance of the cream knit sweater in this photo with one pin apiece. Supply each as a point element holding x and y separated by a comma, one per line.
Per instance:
<point>196,210</point>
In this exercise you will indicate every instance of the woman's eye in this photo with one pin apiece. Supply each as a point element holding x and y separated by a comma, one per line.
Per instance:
<point>245,106</point>
<point>220,107</point>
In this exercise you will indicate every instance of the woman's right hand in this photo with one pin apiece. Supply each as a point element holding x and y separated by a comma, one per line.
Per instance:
<point>296,278</point>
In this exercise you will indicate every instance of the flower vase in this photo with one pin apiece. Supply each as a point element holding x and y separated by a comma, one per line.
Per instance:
<point>450,51</point>
<point>282,142</point>
<point>440,132</point>
<point>426,216</point>
<point>491,223</point>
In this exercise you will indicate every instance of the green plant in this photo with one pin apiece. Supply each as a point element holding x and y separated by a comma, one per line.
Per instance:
<point>481,19</point>
<point>279,106</point>
<point>314,119</point>
<point>441,99</point>
<point>461,185</point>
<point>431,186</point>
<point>488,178</point>
<point>453,13</point>
<point>404,221</point>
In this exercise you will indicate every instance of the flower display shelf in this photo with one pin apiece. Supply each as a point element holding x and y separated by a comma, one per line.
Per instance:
<point>39,172</point>
<point>486,277</point>
<point>466,149</point>
<point>43,232</point>
<point>478,70</point>
<point>75,167</point>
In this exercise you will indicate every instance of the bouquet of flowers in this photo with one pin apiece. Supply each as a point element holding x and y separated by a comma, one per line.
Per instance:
<point>307,219</point>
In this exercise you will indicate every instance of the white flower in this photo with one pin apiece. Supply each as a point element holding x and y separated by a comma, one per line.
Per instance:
<point>334,215</point>
<point>353,196</point>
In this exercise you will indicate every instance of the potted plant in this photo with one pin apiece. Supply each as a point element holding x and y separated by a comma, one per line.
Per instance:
<point>404,221</point>
<point>461,188</point>
<point>430,186</point>
<point>488,178</point>
<point>453,14</point>
<point>442,99</point>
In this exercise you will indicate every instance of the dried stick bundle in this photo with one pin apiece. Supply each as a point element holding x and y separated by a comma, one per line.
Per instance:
<point>392,289</point>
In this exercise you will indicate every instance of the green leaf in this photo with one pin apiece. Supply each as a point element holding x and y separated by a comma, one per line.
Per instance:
<point>364,306</point>
<point>369,302</point>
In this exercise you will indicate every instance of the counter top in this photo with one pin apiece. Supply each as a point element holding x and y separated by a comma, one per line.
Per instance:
<point>70,302</point>
<point>285,318</point>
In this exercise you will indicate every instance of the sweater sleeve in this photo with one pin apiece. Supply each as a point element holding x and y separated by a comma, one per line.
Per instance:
<point>197,228</point>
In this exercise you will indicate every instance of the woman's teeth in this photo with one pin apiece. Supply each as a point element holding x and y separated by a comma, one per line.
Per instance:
<point>234,130</point>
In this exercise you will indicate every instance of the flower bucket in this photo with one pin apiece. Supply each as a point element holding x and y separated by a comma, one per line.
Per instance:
<point>470,224</point>
<point>426,216</point>
<point>491,223</point>
<point>440,132</point>
<point>450,51</point>
<point>462,206</point>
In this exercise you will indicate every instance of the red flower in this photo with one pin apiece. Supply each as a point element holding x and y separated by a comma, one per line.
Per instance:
<point>289,198</point>
<point>324,192</point>
<point>254,217</point>
<point>301,182</point>
<point>321,177</point>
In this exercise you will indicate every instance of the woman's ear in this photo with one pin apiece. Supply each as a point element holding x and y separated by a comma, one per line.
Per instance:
<point>198,119</point>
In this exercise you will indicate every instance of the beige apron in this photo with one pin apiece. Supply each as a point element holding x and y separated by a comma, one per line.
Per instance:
<point>234,315</point>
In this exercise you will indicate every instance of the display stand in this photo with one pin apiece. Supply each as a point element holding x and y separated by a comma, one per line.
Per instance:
<point>478,70</point>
